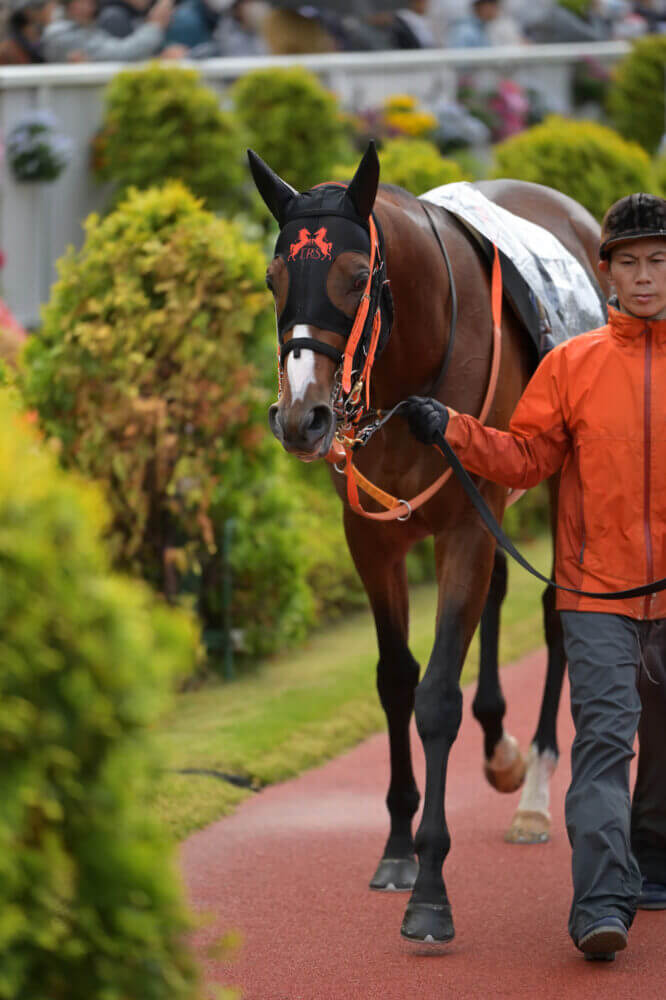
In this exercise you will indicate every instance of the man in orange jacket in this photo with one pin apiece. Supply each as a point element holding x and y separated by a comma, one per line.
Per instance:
<point>595,411</point>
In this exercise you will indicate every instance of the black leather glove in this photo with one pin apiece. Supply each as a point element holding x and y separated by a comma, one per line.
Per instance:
<point>426,418</point>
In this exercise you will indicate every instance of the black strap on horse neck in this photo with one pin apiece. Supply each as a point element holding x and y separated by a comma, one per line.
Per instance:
<point>454,307</point>
<point>505,542</point>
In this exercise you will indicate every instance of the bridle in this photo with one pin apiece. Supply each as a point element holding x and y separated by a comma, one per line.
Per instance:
<point>356,421</point>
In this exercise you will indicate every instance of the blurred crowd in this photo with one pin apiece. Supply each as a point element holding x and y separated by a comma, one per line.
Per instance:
<point>45,31</point>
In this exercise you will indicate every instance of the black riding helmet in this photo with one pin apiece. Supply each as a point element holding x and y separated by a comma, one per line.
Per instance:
<point>633,217</point>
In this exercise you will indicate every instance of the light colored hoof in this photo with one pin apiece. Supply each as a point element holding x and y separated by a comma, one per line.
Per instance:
<point>505,770</point>
<point>528,827</point>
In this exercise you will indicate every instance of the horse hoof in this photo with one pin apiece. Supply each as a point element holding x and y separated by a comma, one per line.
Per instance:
<point>428,923</point>
<point>395,875</point>
<point>528,827</point>
<point>505,770</point>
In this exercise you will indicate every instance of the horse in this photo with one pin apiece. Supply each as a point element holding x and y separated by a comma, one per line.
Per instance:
<point>415,353</point>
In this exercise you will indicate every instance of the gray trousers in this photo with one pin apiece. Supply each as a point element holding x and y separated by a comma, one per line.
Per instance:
<point>615,663</point>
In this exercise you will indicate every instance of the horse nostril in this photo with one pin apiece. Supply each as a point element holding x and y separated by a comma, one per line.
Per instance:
<point>317,422</point>
<point>274,420</point>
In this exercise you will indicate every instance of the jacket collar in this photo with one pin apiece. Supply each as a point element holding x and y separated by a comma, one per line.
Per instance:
<point>630,328</point>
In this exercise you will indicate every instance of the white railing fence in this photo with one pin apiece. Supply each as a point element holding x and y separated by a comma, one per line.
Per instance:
<point>38,221</point>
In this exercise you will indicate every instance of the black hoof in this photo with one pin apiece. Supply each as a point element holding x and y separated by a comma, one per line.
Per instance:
<point>395,875</point>
<point>428,923</point>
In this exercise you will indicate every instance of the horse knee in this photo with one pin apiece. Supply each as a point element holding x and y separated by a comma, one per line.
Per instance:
<point>438,712</point>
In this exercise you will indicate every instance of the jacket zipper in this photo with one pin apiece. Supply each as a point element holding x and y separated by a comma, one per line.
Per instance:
<point>647,430</point>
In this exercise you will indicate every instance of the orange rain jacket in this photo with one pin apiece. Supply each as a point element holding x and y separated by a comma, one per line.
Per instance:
<point>596,409</point>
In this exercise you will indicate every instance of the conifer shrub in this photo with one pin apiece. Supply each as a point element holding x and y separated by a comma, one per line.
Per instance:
<point>636,96</point>
<point>153,369</point>
<point>293,123</point>
<point>162,123</point>
<point>587,161</point>
<point>90,906</point>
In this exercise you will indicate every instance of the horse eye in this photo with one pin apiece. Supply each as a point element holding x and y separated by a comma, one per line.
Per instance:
<point>360,282</point>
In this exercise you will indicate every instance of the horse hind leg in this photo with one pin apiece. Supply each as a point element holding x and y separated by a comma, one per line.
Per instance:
<point>504,765</point>
<point>531,821</point>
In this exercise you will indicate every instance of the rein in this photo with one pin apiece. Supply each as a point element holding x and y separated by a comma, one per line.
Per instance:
<point>349,437</point>
<point>505,542</point>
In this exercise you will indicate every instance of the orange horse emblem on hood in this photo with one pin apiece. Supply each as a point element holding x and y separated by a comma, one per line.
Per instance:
<point>311,246</point>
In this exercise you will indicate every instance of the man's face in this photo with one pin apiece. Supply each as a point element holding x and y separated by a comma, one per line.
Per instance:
<point>82,11</point>
<point>637,269</point>
<point>487,10</point>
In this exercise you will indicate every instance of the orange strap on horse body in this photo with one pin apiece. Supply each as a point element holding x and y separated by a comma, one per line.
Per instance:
<point>401,509</point>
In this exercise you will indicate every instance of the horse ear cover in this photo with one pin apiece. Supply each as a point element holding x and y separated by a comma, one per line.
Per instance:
<point>276,193</point>
<point>363,189</point>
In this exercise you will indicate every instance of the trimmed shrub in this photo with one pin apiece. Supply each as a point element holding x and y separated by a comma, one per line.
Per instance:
<point>660,175</point>
<point>90,903</point>
<point>587,161</point>
<point>146,371</point>
<point>636,97</point>
<point>416,165</point>
<point>161,123</point>
<point>294,123</point>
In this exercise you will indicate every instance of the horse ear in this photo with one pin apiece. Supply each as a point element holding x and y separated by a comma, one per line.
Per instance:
<point>276,193</point>
<point>363,189</point>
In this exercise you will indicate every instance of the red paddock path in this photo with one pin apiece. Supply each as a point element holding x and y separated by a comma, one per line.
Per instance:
<point>290,870</point>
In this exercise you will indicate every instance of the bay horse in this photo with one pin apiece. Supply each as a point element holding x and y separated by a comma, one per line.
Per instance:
<point>318,299</point>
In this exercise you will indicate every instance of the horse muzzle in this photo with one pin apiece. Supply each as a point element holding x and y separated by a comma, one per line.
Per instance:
<point>306,433</point>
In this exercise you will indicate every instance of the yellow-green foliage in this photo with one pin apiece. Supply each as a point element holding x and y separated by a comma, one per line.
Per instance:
<point>660,176</point>
<point>587,161</point>
<point>160,123</point>
<point>416,165</point>
<point>404,114</point>
<point>636,97</point>
<point>89,904</point>
<point>293,122</point>
<point>150,368</point>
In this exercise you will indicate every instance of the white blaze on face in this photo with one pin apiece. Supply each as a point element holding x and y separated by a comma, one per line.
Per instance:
<point>300,371</point>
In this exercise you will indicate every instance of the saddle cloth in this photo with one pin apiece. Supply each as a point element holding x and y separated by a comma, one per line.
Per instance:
<point>549,289</point>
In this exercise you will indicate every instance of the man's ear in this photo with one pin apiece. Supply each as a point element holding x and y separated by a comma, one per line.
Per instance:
<point>604,267</point>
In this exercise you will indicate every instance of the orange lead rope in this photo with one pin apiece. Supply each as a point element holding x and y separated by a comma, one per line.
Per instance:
<point>402,509</point>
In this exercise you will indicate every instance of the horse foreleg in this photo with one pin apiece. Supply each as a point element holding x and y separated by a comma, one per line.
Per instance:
<point>438,710</point>
<point>531,822</point>
<point>381,566</point>
<point>504,763</point>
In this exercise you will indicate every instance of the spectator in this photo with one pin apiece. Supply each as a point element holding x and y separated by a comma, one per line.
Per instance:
<point>121,17</point>
<point>74,37</point>
<point>23,42</point>
<point>194,21</point>
<point>237,31</point>
<point>486,25</point>
<point>411,28</point>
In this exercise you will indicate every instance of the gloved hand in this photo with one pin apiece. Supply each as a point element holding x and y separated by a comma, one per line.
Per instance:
<point>426,418</point>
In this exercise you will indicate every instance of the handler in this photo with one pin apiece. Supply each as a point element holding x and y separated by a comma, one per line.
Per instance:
<point>596,410</point>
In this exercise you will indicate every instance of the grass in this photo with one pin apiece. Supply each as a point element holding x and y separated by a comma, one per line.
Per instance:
<point>307,705</point>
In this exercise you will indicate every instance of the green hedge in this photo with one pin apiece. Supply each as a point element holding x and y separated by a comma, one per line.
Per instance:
<point>153,369</point>
<point>416,165</point>
<point>587,161</point>
<point>636,97</point>
<point>294,123</point>
<point>89,903</point>
<point>161,123</point>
